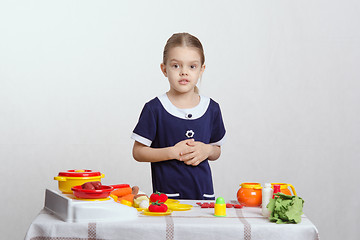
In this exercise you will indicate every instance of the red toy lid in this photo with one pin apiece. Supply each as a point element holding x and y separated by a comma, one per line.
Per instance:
<point>79,173</point>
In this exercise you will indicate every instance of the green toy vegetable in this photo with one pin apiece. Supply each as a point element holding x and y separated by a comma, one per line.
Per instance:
<point>285,208</point>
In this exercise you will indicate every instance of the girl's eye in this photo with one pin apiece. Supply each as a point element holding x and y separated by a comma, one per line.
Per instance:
<point>176,66</point>
<point>193,66</point>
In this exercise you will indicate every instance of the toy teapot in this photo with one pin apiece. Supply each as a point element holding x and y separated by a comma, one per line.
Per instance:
<point>250,194</point>
<point>284,188</point>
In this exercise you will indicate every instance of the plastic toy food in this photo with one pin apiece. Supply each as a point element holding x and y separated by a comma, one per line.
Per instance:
<point>157,196</point>
<point>158,207</point>
<point>120,192</point>
<point>208,205</point>
<point>97,185</point>
<point>126,193</point>
<point>138,199</point>
<point>129,198</point>
<point>88,186</point>
<point>144,204</point>
<point>285,208</point>
<point>91,185</point>
<point>229,205</point>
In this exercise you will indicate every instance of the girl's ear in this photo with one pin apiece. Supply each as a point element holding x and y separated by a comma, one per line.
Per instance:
<point>163,69</point>
<point>202,69</point>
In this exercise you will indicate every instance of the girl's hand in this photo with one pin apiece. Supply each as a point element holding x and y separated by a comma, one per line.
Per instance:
<point>182,148</point>
<point>198,152</point>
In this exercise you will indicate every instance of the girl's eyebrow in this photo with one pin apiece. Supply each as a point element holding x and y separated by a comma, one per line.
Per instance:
<point>175,60</point>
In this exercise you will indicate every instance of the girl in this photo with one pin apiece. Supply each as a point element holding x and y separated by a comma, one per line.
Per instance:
<point>179,131</point>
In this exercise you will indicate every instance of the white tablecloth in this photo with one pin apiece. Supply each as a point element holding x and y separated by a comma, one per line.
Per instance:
<point>198,223</point>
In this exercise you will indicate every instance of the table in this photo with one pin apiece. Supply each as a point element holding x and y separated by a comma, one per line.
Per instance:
<point>198,223</point>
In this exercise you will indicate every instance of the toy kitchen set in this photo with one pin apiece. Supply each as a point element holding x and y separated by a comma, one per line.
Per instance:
<point>82,198</point>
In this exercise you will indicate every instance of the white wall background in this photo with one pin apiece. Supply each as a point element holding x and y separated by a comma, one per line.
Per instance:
<point>74,76</point>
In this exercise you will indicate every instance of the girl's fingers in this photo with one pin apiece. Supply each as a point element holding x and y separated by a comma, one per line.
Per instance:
<point>193,162</point>
<point>187,157</point>
<point>188,150</point>
<point>189,162</point>
<point>192,159</point>
<point>191,142</point>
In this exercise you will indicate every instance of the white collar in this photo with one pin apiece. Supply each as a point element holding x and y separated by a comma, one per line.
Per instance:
<point>186,113</point>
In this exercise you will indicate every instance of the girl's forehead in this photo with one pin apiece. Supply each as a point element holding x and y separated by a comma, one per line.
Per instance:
<point>184,53</point>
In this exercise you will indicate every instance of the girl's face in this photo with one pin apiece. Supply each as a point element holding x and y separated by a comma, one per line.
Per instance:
<point>183,69</point>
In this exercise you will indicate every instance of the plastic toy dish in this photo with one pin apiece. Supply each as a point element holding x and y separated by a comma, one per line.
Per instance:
<point>71,196</point>
<point>71,178</point>
<point>104,192</point>
<point>113,197</point>
<point>179,207</point>
<point>141,209</point>
<point>171,201</point>
<point>148,213</point>
<point>93,199</point>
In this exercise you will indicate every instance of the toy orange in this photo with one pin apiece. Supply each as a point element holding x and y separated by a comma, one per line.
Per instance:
<point>284,188</point>
<point>249,194</point>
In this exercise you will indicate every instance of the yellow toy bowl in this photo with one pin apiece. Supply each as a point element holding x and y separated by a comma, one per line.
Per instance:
<point>72,178</point>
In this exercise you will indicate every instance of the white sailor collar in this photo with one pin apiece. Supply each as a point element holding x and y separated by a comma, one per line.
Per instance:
<point>185,113</point>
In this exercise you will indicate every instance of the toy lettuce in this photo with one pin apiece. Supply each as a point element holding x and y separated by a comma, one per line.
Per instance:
<point>285,208</point>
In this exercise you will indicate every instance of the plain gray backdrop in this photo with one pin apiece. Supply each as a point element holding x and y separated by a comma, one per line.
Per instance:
<point>74,76</point>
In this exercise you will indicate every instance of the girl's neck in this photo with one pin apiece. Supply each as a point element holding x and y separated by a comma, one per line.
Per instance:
<point>183,100</point>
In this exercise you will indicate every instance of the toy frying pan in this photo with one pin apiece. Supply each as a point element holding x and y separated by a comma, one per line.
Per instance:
<point>104,192</point>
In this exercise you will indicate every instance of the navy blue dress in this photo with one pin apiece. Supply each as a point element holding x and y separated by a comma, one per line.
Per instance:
<point>161,124</point>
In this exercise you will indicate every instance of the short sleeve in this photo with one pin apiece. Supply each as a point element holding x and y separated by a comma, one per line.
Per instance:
<point>145,130</point>
<point>218,128</point>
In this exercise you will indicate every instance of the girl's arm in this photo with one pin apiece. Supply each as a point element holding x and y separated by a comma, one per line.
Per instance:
<point>215,152</point>
<point>143,153</point>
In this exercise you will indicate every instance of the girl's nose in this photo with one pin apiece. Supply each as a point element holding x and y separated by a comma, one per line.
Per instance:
<point>183,73</point>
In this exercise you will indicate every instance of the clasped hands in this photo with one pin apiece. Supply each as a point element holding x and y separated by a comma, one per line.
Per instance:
<point>192,152</point>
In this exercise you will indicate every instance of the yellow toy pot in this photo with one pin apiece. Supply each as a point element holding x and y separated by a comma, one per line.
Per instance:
<point>72,178</point>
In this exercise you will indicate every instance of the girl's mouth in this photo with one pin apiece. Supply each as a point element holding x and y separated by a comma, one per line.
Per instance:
<point>184,81</point>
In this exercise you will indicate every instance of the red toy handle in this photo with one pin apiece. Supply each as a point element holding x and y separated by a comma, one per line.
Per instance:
<point>120,186</point>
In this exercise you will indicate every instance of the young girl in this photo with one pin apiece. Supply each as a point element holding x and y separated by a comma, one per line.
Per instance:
<point>179,131</point>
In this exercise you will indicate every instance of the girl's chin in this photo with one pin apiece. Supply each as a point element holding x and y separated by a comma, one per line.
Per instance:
<point>182,90</point>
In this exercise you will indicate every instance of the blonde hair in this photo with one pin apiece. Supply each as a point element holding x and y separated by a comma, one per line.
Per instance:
<point>184,40</point>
